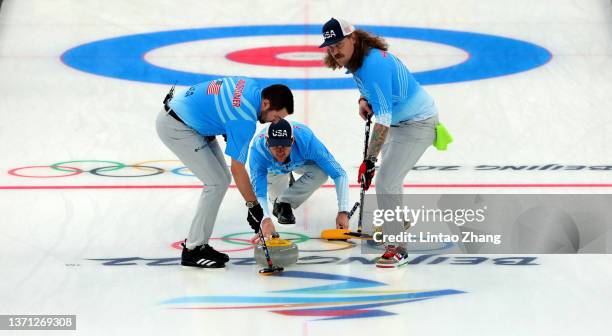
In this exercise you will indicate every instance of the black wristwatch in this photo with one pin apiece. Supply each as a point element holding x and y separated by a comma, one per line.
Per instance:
<point>251,204</point>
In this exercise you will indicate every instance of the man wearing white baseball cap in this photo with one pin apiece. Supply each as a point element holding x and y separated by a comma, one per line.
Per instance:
<point>406,116</point>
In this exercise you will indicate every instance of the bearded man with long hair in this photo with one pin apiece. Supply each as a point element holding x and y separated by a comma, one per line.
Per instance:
<point>406,117</point>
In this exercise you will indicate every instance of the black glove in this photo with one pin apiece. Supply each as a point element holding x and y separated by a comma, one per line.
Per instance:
<point>254,217</point>
<point>366,173</point>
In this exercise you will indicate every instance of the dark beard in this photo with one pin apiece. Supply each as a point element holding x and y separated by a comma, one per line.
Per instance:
<point>260,119</point>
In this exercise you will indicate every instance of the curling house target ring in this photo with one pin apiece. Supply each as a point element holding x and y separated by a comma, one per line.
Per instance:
<point>285,56</point>
<point>123,57</point>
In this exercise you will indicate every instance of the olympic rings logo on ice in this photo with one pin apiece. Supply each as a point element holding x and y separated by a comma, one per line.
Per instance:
<point>104,168</point>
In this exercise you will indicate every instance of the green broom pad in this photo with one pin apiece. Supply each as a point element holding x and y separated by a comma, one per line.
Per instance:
<point>443,138</point>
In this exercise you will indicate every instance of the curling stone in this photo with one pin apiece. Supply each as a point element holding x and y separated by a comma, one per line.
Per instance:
<point>282,252</point>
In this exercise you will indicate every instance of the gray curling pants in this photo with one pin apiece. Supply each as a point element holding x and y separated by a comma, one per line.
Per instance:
<point>205,160</point>
<point>278,185</point>
<point>404,146</point>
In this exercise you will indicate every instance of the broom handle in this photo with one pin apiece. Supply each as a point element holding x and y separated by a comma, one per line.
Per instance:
<point>352,212</point>
<point>365,153</point>
<point>265,247</point>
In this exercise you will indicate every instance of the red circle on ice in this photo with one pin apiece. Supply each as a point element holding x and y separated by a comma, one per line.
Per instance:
<point>282,56</point>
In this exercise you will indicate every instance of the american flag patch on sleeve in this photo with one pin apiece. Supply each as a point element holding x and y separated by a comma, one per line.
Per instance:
<point>214,87</point>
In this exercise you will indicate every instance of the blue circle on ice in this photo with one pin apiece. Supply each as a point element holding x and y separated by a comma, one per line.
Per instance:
<point>123,57</point>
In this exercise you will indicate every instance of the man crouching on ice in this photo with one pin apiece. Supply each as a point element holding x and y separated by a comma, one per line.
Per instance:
<point>282,148</point>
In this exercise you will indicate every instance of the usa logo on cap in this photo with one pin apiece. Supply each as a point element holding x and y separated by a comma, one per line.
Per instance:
<point>280,134</point>
<point>335,30</point>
